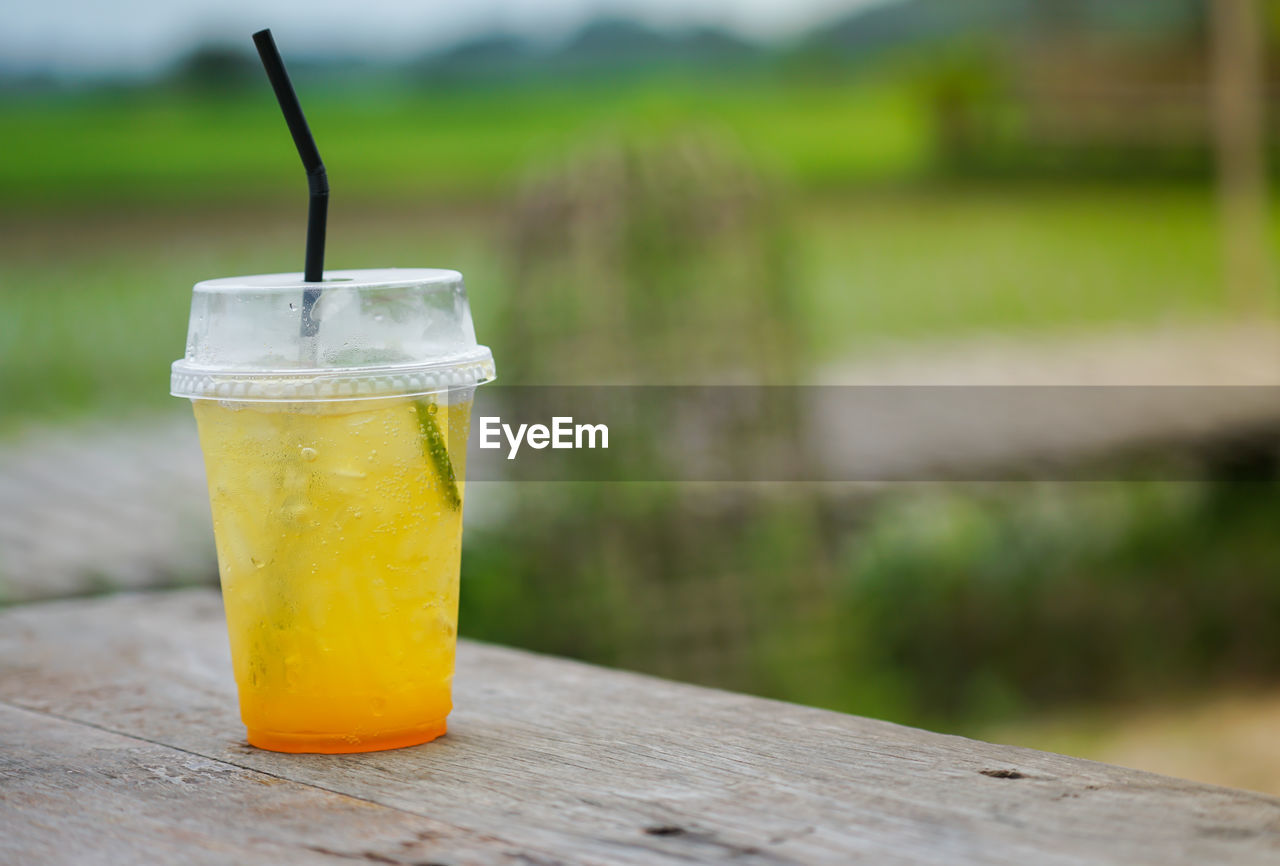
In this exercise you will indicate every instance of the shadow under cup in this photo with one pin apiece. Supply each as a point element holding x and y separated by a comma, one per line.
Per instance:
<point>336,493</point>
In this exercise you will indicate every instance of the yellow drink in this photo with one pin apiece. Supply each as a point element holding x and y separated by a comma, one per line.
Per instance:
<point>339,531</point>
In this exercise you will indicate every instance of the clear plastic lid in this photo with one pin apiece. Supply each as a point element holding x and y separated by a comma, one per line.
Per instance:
<point>358,335</point>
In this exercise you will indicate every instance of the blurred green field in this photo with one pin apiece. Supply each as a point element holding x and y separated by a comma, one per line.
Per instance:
<point>113,201</point>
<point>97,300</point>
<point>404,144</point>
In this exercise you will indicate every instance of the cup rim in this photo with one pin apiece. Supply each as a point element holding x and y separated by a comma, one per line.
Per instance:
<point>335,280</point>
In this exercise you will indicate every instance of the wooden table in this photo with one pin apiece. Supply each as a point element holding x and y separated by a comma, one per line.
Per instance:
<point>120,742</point>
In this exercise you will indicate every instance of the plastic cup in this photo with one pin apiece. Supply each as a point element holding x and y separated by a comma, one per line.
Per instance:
<point>335,452</point>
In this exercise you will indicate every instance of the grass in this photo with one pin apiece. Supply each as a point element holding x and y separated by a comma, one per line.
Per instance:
<point>97,305</point>
<point>1002,260</point>
<point>405,143</point>
<point>97,302</point>
<point>114,202</point>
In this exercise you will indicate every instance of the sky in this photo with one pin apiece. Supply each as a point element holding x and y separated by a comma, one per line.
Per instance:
<point>80,38</point>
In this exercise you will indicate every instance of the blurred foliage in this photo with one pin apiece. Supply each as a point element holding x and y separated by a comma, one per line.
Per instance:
<point>982,605</point>
<point>667,261</point>
<point>942,606</point>
<point>687,581</point>
<point>214,69</point>
<point>663,262</point>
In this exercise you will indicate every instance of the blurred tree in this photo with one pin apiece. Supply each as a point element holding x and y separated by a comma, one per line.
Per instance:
<point>614,39</point>
<point>496,57</point>
<point>655,263</point>
<point>961,87</point>
<point>1239,102</point>
<point>665,262</point>
<point>983,603</point>
<point>216,68</point>
<point>613,45</point>
<point>1055,16</point>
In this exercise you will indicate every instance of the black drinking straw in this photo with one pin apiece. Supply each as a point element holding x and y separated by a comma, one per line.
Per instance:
<point>317,179</point>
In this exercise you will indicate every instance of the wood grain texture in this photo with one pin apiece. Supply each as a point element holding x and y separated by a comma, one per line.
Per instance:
<point>554,761</point>
<point>74,794</point>
<point>97,505</point>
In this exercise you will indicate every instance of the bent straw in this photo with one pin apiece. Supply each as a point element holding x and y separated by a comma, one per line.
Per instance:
<point>317,179</point>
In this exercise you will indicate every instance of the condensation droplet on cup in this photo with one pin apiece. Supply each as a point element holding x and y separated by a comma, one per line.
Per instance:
<point>309,454</point>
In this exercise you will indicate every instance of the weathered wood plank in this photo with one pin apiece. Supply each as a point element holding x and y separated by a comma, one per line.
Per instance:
<point>564,761</point>
<point>73,794</point>
<point>95,504</point>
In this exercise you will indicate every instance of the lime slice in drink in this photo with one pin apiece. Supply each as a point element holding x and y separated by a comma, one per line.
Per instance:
<point>437,452</point>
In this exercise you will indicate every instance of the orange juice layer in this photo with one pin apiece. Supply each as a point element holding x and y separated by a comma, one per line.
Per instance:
<point>338,537</point>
